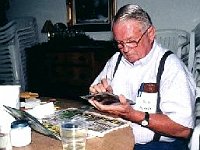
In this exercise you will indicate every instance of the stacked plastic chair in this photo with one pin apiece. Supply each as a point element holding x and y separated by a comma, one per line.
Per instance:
<point>27,31</point>
<point>27,34</point>
<point>15,37</point>
<point>177,41</point>
<point>195,53</point>
<point>9,55</point>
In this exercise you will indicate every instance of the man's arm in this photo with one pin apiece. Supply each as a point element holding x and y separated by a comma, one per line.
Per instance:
<point>159,123</point>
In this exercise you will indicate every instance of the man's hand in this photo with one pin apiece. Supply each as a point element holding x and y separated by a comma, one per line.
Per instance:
<point>122,110</point>
<point>104,86</point>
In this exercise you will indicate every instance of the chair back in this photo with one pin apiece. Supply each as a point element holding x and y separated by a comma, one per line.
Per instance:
<point>195,55</point>
<point>17,35</point>
<point>9,55</point>
<point>177,41</point>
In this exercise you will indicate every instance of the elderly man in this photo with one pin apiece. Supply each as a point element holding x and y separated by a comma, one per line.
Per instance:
<point>163,116</point>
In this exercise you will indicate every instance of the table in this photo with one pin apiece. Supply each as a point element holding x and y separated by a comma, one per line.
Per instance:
<point>116,140</point>
<point>41,142</point>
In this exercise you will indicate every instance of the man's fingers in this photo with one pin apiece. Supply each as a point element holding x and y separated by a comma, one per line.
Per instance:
<point>92,90</point>
<point>122,99</point>
<point>105,83</point>
<point>103,86</point>
<point>107,107</point>
<point>107,86</point>
<point>98,88</point>
<point>92,103</point>
<point>109,89</point>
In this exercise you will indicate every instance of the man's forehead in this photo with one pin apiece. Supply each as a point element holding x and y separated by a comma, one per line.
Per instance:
<point>129,25</point>
<point>126,32</point>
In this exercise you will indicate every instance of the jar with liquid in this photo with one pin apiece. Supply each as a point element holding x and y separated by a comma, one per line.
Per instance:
<point>5,143</point>
<point>20,133</point>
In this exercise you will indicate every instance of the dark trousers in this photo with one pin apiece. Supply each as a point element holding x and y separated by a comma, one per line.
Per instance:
<point>156,145</point>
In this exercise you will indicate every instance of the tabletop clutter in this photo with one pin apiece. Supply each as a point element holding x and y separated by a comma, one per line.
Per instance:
<point>80,124</point>
<point>16,131</point>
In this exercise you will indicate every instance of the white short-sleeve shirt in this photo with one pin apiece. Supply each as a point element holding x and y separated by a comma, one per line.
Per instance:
<point>177,88</point>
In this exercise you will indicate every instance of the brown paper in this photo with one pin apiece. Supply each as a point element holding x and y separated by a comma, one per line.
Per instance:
<point>121,139</point>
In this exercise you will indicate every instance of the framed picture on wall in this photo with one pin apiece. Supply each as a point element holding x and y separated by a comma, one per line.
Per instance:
<point>91,15</point>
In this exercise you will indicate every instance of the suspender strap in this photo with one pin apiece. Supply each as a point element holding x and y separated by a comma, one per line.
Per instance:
<point>160,71</point>
<point>117,63</point>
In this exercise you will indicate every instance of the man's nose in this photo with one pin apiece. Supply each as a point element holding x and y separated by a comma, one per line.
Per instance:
<point>125,48</point>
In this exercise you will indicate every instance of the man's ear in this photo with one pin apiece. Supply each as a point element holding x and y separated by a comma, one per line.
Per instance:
<point>152,33</point>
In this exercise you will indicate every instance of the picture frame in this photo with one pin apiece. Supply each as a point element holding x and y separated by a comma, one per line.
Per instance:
<point>91,15</point>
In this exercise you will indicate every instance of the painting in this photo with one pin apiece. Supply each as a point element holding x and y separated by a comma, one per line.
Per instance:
<point>91,15</point>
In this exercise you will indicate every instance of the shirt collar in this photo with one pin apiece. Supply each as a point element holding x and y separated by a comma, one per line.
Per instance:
<point>148,57</point>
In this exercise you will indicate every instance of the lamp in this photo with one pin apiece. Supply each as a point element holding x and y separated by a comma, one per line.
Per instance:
<point>48,28</point>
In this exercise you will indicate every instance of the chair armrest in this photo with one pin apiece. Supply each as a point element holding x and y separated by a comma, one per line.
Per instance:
<point>197,92</point>
<point>194,143</point>
<point>184,44</point>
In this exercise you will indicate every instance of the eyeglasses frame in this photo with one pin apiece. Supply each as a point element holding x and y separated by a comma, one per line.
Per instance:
<point>123,44</point>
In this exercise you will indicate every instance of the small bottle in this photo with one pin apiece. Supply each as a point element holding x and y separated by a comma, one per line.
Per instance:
<point>20,133</point>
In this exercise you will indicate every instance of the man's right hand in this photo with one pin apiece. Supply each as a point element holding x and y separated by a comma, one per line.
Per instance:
<point>104,86</point>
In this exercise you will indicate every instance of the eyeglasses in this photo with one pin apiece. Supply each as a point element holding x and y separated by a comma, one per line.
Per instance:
<point>131,43</point>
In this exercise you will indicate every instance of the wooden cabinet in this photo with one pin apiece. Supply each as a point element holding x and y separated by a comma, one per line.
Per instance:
<point>65,71</point>
<point>73,68</point>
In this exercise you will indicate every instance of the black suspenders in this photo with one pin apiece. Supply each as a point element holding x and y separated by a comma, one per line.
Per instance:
<point>117,63</point>
<point>158,77</point>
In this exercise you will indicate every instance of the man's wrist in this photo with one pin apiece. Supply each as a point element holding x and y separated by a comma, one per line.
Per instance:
<point>145,121</point>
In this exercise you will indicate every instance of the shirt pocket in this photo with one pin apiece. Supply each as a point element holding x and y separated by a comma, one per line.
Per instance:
<point>146,99</point>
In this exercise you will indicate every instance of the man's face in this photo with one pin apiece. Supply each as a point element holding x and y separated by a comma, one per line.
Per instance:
<point>132,41</point>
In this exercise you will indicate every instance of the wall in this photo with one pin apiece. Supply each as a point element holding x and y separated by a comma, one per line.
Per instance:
<point>54,10</point>
<point>182,14</point>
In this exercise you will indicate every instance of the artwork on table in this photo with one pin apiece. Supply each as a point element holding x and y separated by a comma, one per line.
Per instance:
<point>98,124</point>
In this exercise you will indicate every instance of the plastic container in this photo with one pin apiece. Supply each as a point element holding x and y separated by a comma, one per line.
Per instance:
<point>20,133</point>
<point>5,143</point>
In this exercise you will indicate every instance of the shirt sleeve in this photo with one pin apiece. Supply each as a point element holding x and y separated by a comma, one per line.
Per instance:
<point>178,93</point>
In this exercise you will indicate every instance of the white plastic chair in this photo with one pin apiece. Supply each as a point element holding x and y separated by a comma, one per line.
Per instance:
<point>15,37</point>
<point>9,62</point>
<point>177,41</point>
<point>27,31</point>
<point>195,139</point>
<point>11,70</point>
<point>27,35</point>
<point>195,54</point>
<point>7,32</point>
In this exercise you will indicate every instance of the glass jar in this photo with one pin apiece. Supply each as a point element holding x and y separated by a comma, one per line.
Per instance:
<point>20,133</point>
